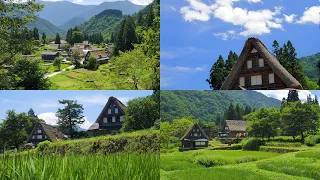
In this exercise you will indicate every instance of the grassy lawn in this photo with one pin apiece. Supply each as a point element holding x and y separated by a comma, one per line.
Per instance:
<point>237,164</point>
<point>82,79</point>
<point>51,69</point>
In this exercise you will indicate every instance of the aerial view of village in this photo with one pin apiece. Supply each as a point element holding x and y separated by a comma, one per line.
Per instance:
<point>61,45</point>
<point>236,135</point>
<point>79,135</point>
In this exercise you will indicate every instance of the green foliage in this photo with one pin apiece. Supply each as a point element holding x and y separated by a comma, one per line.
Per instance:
<point>208,106</point>
<point>75,59</point>
<point>136,142</point>
<point>44,26</point>
<point>141,113</point>
<point>57,40</point>
<point>107,22</point>
<point>70,116</point>
<point>43,37</point>
<point>310,66</point>
<point>300,118</point>
<point>57,63</point>
<point>15,128</point>
<point>293,96</point>
<point>251,144</point>
<point>27,75</point>
<point>312,140</point>
<point>77,37</point>
<point>92,63</point>
<point>263,122</point>
<point>281,150</point>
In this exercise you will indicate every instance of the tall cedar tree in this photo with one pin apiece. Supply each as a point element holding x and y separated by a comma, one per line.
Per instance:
<point>140,19</point>
<point>287,57</point>
<point>217,74</point>
<point>232,59</point>
<point>70,117</point>
<point>44,37</point>
<point>293,96</point>
<point>31,113</point>
<point>150,17</point>
<point>57,40</point>
<point>126,36</point>
<point>36,34</point>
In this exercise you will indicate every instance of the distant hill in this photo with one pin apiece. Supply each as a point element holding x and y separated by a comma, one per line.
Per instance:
<point>207,105</point>
<point>45,26</point>
<point>126,7</point>
<point>105,22</point>
<point>59,12</point>
<point>309,66</point>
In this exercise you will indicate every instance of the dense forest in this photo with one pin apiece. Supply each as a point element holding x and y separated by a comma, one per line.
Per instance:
<point>105,22</point>
<point>45,26</point>
<point>209,105</point>
<point>310,67</point>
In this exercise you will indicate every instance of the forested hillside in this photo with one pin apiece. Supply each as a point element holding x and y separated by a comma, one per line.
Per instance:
<point>309,66</point>
<point>208,105</point>
<point>45,26</point>
<point>105,22</point>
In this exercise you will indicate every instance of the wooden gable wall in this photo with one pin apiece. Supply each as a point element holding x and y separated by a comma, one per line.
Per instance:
<point>38,135</point>
<point>111,106</point>
<point>254,71</point>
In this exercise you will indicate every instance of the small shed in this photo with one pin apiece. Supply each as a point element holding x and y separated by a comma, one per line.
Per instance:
<point>194,138</point>
<point>234,129</point>
<point>49,56</point>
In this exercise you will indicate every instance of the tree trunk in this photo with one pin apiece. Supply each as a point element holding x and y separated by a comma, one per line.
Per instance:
<point>302,136</point>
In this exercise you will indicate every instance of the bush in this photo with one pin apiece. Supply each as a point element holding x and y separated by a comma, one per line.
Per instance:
<point>284,144</point>
<point>277,149</point>
<point>251,144</point>
<point>137,142</point>
<point>92,64</point>
<point>233,147</point>
<point>229,140</point>
<point>312,140</point>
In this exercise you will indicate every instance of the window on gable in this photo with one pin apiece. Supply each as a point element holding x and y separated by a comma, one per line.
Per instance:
<point>256,80</point>
<point>261,62</point>
<point>121,118</point>
<point>116,110</point>
<point>39,131</point>
<point>113,119</point>
<point>105,119</point>
<point>254,50</point>
<point>39,136</point>
<point>249,64</point>
<point>241,81</point>
<point>271,78</point>
<point>109,111</point>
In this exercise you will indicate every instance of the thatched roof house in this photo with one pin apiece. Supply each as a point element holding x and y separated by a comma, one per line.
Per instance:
<point>80,51</point>
<point>257,68</point>
<point>49,56</point>
<point>194,138</point>
<point>110,119</point>
<point>43,132</point>
<point>101,55</point>
<point>233,127</point>
<point>54,46</point>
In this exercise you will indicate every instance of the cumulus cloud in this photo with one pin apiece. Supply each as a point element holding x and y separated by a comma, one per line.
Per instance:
<point>225,36</point>
<point>255,22</point>
<point>51,119</point>
<point>311,15</point>
<point>141,2</point>
<point>289,18</point>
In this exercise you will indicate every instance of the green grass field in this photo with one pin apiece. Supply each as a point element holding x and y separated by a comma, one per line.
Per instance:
<point>82,79</point>
<point>51,69</point>
<point>209,164</point>
<point>90,167</point>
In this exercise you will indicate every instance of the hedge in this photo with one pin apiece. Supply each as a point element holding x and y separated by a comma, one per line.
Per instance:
<point>281,150</point>
<point>137,142</point>
<point>233,147</point>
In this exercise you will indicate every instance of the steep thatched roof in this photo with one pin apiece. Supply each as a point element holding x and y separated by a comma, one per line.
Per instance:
<point>54,46</point>
<point>196,125</point>
<point>99,54</point>
<point>117,102</point>
<point>236,125</point>
<point>51,132</point>
<point>269,58</point>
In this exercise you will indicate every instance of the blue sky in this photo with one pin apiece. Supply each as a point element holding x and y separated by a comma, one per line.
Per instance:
<point>45,103</point>
<point>195,32</point>
<point>95,2</point>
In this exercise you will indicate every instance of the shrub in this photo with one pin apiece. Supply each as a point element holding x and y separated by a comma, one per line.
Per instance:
<point>92,64</point>
<point>284,144</point>
<point>43,146</point>
<point>233,147</point>
<point>277,149</point>
<point>229,140</point>
<point>312,140</point>
<point>251,144</point>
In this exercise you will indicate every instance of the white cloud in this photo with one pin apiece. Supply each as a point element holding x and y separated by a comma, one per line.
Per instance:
<point>51,119</point>
<point>255,22</point>
<point>254,1</point>
<point>141,2</point>
<point>289,18</point>
<point>280,94</point>
<point>78,1</point>
<point>173,8</point>
<point>278,20</point>
<point>188,69</point>
<point>311,15</point>
<point>224,36</point>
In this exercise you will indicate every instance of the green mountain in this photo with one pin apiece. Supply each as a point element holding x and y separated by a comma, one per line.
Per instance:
<point>127,8</point>
<point>105,22</point>
<point>45,26</point>
<point>309,66</point>
<point>207,105</point>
